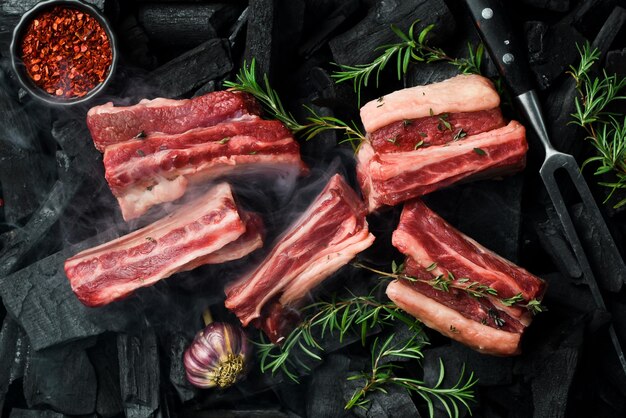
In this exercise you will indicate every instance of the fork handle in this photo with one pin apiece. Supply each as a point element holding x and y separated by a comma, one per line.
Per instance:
<point>504,46</point>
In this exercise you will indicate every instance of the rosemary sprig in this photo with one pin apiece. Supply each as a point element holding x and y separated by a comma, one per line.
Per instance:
<point>357,314</point>
<point>246,81</point>
<point>382,374</point>
<point>410,47</point>
<point>606,133</point>
<point>447,281</point>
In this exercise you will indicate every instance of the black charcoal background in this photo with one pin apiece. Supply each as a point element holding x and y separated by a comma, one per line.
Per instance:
<point>59,358</point>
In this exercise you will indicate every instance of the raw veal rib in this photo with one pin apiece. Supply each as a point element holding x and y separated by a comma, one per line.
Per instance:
<point>435,249</point>
<point>209,230</point>
<point>391,178</point>
<point>463,93</point>
<point>325,237</point>
<point>111,124</point>
<point>156,169</point>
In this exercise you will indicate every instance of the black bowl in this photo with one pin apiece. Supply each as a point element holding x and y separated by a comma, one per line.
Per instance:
<point>20,69</point>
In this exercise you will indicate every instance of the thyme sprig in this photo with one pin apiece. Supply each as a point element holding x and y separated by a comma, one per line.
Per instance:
<point>358,314</point>
<point>382,375</point>
<point>412,47</point>
<point>447,281</point>
<point>246,81</point>
<point>606,133</point>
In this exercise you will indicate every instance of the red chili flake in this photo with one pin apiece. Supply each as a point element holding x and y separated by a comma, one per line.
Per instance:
<point>67,52</point>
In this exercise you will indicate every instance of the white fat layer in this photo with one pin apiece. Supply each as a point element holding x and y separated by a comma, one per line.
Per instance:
<point>463,93</point>
<point>452,324</point>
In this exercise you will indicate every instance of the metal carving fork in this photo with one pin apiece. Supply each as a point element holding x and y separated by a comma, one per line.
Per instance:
<point>504,48</point>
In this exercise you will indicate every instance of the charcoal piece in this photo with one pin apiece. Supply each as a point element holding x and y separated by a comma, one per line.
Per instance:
<point>61,378</point>
<point>133,43</point>
<point>25,172</point>
<point>427,73</point>
<point>34,413</point>
<point>292,397</point>
<point>183,74</point>
<point>603,257</point>
<point>326,26</point>
<point>359,44</point>
<point>19,7</point>
<point>552,365</point>
<point>39,297</point>
<point>259,39</point>
<point>554,53</point>
<point>177,345</point>
<point>535,33</point>
<point>567,293</point>
<point>7,24</point>
<point>8,350</point>
<point>616,62</point>
<point>324,394</point>
<point>240,413</point>
<point>186,25</point>
<point>610,29</point>
<point>207,88</point>
<point>103,356</point>
<point>488,211</point>
<point>560,6</point>
<point>237,29</point>
<point>139,373</point>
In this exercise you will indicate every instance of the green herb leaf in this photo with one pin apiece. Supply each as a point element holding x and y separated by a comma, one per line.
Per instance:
<point>480,151</point>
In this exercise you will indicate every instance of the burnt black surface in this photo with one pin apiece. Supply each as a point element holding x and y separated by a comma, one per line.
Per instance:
<point>126,359</point>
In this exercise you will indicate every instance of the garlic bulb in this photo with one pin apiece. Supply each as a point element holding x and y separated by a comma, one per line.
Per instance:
<point>217,356</point>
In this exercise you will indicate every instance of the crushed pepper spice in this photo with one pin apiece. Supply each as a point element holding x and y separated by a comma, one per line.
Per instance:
<point>66,51</point>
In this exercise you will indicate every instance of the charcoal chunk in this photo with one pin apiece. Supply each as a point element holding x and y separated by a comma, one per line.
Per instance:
<point>552,50</point>
<point>616,62</point>
<point>552,365</point>
<point>259,39</point>
<point>550,5</point>
<point>139,373</point>
<point>180,25</point>
<point>19,7</point>
<point>25,171</point>
<point>103,356</point>
<point>177,345</point>
<point>39,297</point>
<point>61,378</point>
<point>184,74</point>
<point>34,413</point>
<point>359,44</point>
<point>568,293</point>
<point>326,24</point>
<point>324,395</point>
<point>134,43</point>
<point>8,350</point>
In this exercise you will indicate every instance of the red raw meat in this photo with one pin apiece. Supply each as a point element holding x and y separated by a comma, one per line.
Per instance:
<point>391,178</point>
<point>325,237</point>
<point>110,124</point>
<point>433,248</point>
<point>405,135</point>
<point>145,172</point>
<point>209,230</point>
